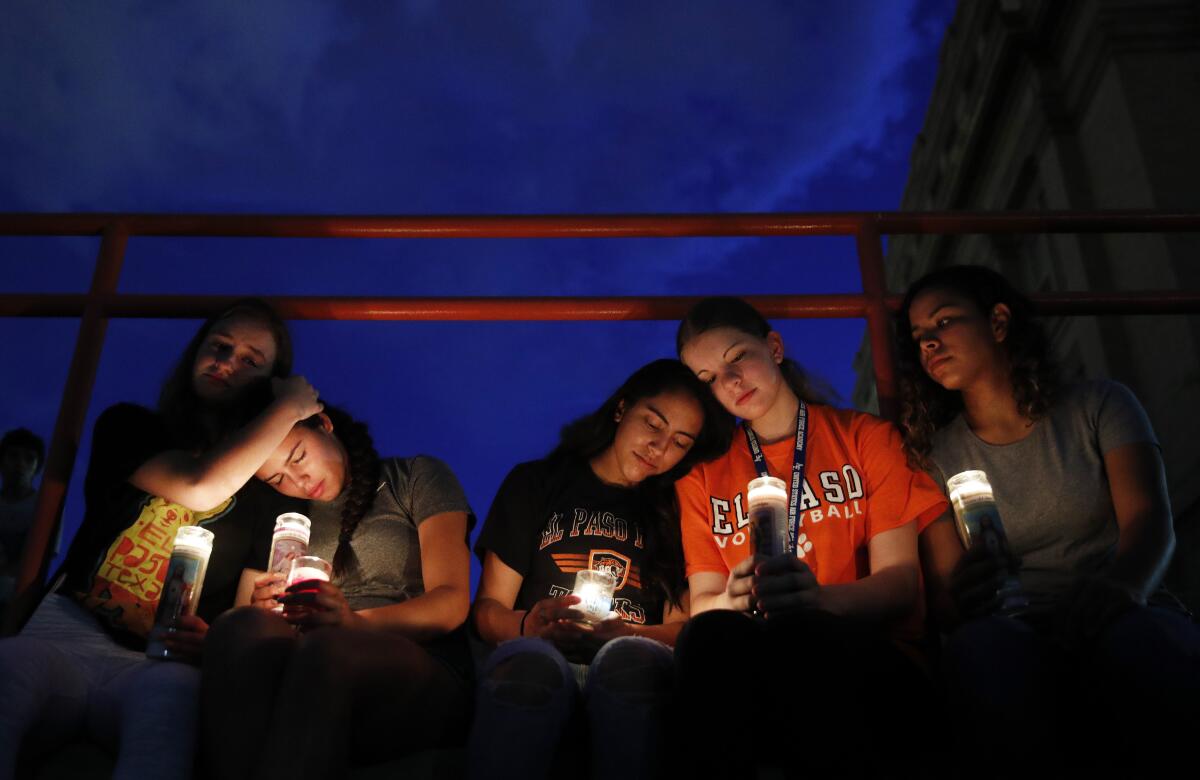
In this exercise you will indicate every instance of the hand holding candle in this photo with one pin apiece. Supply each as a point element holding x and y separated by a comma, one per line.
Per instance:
<point>309,567</point>
<point>311,600</point>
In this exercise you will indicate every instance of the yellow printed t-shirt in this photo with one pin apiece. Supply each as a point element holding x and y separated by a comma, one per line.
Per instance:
<point>128,581</point>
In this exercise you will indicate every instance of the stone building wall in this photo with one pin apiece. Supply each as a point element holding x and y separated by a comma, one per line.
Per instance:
<point>1076,105</point>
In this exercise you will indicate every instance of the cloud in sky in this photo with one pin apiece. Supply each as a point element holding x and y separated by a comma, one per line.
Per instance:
<point>434,106</point>
<point>444,107</point>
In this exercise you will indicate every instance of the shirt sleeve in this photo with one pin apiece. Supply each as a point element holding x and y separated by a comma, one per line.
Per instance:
<point>125,436</point>
<point>897,495</point>
<point>510,521</point>
<point>1120,418</point>
<point>700,552</point>
<point>432,490</point>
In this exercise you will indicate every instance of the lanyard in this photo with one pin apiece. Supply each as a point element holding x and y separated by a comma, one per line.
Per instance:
<point>760,465</point>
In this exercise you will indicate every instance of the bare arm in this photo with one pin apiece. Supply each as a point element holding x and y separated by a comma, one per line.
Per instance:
<point>673,620</point>
<point>495,618</point>
<point>201,482</point>
<point>553,619</point>
<point>1138,486</point>
<point>713,590</point>
<point>784,583</point>
<point>940,552</point>
<point>445,569</point>
<point>890,590</point>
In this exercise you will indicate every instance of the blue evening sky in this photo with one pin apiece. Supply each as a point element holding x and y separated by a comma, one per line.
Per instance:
<point>438,107</point>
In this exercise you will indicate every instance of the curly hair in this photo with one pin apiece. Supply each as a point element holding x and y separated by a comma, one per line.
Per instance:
<point>364,471</point>
<point>926,406</point>
<point>190,424</point>
<point>590,435</point>
<point>730,312</point>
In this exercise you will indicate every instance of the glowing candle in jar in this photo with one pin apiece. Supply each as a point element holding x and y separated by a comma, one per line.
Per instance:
<point>978,522</point>
<point>309,567</point>
<point>974,504</point>
<point>594,587</point>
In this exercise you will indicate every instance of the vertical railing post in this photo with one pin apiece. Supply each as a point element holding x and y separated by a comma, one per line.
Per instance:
<point>879,330</point>
<point>64,445</point>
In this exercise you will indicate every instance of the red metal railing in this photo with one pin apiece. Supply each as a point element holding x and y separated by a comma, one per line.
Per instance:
<point>102,302</point>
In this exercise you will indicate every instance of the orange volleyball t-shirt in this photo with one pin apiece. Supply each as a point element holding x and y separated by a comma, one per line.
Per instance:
<point>857,484</point>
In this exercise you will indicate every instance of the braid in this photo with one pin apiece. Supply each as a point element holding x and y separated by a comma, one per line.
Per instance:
<point>364,472</point>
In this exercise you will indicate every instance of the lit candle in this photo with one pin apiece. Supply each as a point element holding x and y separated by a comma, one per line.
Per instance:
<point>595,591</point>
<point>309,567</point>
<point>973,502</point>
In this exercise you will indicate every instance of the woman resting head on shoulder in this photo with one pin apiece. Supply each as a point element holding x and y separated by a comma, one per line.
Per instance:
<point>380,641</point>
<point>1079,485</point>
<point>603,499</point>
<point>850,583</point>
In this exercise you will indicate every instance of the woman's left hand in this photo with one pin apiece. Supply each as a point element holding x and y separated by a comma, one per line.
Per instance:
<point>313,604</point>
<point>186,637</point>
<point>784,585</point>
<point>610,629</point>
<point>594,636</point>
<point>1090,605</point>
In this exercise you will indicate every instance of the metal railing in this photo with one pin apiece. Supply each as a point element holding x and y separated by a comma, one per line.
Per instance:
<point>874,303</point>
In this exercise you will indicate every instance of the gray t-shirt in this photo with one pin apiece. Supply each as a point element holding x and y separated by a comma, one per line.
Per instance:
<point>1051,488</point>
<point>411,490</point>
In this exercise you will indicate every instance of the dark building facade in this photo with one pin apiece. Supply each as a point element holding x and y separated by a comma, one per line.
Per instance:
<point>1076,105</point>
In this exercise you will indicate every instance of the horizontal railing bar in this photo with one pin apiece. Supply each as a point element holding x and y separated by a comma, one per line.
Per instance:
<point>831,305</point>
<point>441,309</point>
<point>597,225</point>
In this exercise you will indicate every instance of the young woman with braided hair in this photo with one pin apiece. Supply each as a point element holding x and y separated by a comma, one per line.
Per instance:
<point>344,663</point>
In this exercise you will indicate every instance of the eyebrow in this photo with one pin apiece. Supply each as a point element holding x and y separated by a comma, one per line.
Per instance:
<point>663,417</point>
<point>731,346</point>
<point>933,313</point>
<point>225,334</point>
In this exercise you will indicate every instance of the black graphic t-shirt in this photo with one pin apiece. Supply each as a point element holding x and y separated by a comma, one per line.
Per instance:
<point>551,520</point>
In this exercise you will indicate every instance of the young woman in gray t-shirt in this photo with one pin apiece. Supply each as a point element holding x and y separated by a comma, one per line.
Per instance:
<point>371,665</point>
<point>1079,485</point>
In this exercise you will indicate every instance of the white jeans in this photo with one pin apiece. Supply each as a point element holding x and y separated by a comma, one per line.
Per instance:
<point>64,677</point>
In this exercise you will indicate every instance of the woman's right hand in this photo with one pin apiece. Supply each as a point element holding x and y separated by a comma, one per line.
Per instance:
<point>266,588</point>
<point>297,393</point>
<point>976,581</point>
<point>740,584</point>
<point>556,621</point>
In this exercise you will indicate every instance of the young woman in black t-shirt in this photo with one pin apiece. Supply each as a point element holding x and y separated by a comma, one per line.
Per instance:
<point>603,499</point>
<point>79,664</point>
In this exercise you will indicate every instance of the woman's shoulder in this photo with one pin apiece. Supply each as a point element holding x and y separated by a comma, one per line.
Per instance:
<point>862,427</point>
<point>1094,393</point>
<point>124,436</point>
<point>408,469</point>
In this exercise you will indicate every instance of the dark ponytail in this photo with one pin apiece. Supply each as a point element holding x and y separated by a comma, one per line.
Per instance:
<point>363,471</point>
